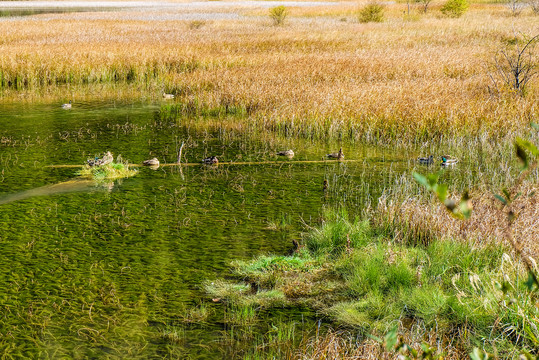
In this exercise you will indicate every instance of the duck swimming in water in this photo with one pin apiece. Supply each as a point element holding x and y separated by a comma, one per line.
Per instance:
<point>289,153</point>
<point>448,160</point>
<point>425,160</point>
<point>151,162</point>
<point>338,155</point>
<point>212,160</point>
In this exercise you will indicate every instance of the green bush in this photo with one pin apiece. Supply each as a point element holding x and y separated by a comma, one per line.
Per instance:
<point>278,14</point>
<point>373,12</point>
<point>455,8</point>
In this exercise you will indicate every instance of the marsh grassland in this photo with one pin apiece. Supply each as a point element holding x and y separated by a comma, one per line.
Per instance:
<point>407,80</point>
<point>194,262</point>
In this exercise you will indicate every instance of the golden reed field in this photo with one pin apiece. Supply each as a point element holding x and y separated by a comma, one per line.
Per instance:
<point>409,79</point>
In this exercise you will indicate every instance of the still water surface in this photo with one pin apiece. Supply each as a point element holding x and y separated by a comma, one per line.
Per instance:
<point>106,269</point>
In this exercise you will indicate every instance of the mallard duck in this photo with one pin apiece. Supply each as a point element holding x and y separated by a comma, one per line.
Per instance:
<point>151,162</point>
<point>289,153</point>
<point>168,96</point>
<point>427,161</point>
<point>67,106</point>
<point>91,162</point>
<point>448,160</point>
<point>212,160</point>
<point>106,159</point>
<point>338,155</point>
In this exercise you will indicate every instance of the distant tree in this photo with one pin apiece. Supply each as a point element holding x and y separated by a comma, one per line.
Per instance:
<point>455,8</point>
<point>425,4</point>
<point>516,66</point>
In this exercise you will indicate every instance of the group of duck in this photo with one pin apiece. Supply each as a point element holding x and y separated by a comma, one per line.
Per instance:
<point>212,160</point>
<point>446,160</point>
<point>336,155</point>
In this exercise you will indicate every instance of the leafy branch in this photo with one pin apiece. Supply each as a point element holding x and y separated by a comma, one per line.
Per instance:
<point>460,210</point>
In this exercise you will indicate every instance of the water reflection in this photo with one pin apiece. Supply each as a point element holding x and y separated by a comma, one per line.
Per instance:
<point>71,186</point>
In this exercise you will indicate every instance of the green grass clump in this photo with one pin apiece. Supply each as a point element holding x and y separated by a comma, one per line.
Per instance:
<point>336,235</point>
<point>107,172</point>
<point>265,271</point>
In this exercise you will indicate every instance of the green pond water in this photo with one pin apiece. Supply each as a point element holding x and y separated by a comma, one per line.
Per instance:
<point>13,12</point>
<point>109,270</point>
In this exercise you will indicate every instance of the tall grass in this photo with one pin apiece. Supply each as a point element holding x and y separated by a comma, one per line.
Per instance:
<point>399,81</point>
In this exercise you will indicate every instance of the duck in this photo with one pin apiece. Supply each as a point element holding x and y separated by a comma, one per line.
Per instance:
<point>151,162</point>
<point>289,153</point>
<point>106,159</point>
<point>425,160</point>
<point>91,162</point>
<point>67,106</point>
<point>212,160</point>
<point>338,155</point>
<point>448,160</point>
<point>168,96</point>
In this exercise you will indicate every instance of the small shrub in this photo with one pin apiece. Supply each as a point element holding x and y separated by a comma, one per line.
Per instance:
<point>196,24</point>
<point>373,12</point>
<point>278,14</point>
<point>455,8</point>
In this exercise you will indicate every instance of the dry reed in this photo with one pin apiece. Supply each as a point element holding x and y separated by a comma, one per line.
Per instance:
<point>343,345</point>
<point>399,81</point>
<point>414,218</point>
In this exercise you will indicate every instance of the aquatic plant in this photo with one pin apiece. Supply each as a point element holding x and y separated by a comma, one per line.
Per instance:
<point>196,314</point>
<point>107,172</point>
